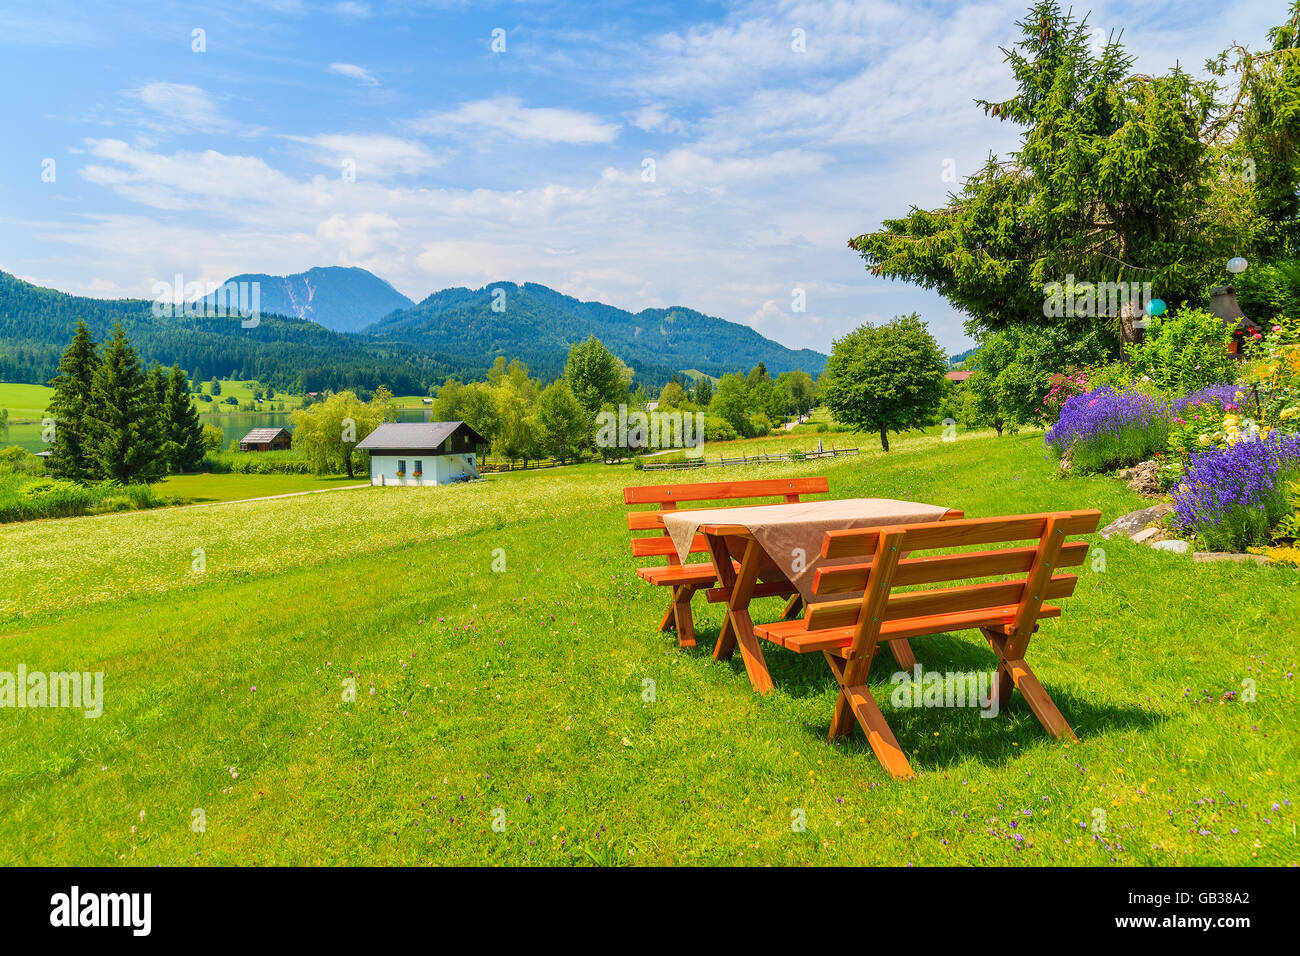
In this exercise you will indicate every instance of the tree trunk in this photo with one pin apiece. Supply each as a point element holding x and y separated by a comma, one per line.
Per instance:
<point>884,438</point>
<point>347,462</point>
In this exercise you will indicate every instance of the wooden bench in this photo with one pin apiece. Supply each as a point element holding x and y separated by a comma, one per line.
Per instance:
<point>1006,612</point>
<point>686,579</point>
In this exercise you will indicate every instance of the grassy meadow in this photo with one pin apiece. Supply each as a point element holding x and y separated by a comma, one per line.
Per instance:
<point>226,635</point>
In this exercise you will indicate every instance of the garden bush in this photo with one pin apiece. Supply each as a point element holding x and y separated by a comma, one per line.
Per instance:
<point>257,463</point>
<point>1184,351</point>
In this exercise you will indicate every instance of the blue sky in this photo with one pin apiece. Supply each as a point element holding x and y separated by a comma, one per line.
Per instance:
<point>523,164</point>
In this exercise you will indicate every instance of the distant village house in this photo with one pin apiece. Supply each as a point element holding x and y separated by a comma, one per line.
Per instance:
<point>266,439</point>
<point>422,453</point>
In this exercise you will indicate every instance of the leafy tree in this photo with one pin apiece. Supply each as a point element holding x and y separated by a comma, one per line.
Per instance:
<point>473,404</point>
<point>122,418</point>
<point>184,429</point>
<point>69,453</point>
<point>731,403</point>
<point>328,432</point>
<point>594,375</point>
<point>757,374</point>
<point>802,390</point>
<point>215,386</point>
<point>1185,351</point>
<point>672,396</point>
<point>565,425</point>
<point>885,378</point>
<point>997,391</point>
<point>212,438</point>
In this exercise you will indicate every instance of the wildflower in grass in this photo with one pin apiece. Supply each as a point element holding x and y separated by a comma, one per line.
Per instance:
<point>1232,496</point>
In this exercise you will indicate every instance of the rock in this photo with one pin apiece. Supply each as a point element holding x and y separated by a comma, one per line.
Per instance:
<point>1135,521</point>
<point>1144,478</point>
<point>1145,535</point>
<point>1174,546</point>
<point>1229,556</point>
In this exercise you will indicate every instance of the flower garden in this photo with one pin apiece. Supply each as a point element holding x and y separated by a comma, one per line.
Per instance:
<point>1226,454</point>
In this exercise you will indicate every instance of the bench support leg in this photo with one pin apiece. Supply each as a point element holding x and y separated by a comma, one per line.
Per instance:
<point>1014,672</point>
<point>855,703</point>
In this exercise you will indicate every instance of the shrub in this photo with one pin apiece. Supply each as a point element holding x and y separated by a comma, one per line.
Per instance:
<point>718,429</point>
<point>1104,429</point>
<point>16,460</point>
<point>1187,350</point>
<point>1061,388</point>
<point>1233,496</point>
<point>257,463</point>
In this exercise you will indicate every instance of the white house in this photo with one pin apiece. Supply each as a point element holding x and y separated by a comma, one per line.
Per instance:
<point>422,453</point>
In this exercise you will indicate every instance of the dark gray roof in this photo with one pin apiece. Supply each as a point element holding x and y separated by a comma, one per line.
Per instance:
<point>263,434</point>
<point>412,436</point>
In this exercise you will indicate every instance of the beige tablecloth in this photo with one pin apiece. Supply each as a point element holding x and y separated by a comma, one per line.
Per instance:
<point>792,534</point>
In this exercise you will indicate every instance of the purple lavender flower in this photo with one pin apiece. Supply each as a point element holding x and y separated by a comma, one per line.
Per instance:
<point>1221,395</point>
<point>1231,496</point>
<point>1104,412</point>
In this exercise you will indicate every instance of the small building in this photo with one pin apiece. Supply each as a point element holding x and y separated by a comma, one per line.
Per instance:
<point>958,375</point>
<point>266,439</point>
<point>422,453</point>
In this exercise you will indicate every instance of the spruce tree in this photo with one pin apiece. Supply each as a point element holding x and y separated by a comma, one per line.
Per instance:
<point>69,456</point>
<point>122,419</point>
<point>156,385</point>
<point>184,428</point>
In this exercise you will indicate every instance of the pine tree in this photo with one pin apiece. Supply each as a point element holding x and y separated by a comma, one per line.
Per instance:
<point>184,429</point>
<point>122,419</point>
<point>69,455</point>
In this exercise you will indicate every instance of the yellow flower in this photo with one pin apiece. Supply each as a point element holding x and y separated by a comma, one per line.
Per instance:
<point>1204,439</point>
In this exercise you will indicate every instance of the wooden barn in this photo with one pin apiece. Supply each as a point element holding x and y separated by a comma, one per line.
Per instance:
<point>266,439</point>
<point>422,453</point>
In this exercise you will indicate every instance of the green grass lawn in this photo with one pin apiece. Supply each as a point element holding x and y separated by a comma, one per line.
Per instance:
<point>197,489</point>
<point>525,689</point>
<point>25,402</point>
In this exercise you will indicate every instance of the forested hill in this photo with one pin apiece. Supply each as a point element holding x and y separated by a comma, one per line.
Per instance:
<point>452,332</point>
<point>537,324</point>
<point>291,354</point>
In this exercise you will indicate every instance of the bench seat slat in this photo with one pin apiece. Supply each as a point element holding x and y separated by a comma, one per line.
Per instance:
<point>795,636</point>
<point>970,597</point>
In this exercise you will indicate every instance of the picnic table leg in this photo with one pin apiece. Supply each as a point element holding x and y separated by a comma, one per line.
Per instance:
<point>856,703</point>
<point>742,628</point>
<point>793,608</point>
<point>726,645</point>
<point>903,655</point>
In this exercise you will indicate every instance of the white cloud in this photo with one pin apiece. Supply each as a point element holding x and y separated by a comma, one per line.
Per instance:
<point>374,155</point>
<point>181,107</point>
<point>506,115</point>
<point>354,72</point>
<point>352,11</point>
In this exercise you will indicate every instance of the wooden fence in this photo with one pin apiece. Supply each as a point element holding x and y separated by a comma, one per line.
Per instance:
<point>746,459</point>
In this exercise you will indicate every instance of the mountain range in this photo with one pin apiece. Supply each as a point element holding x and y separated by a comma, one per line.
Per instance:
<point>345,327</point>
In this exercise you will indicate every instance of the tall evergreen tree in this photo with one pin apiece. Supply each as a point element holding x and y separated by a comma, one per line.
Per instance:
<point>122,419</point>
<point>184,429</point>
<point>69,455</point>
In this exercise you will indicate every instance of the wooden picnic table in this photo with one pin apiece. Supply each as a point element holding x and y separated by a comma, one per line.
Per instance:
<point>777,548</point>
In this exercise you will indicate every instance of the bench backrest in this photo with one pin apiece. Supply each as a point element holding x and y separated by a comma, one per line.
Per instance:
<point>1014,604</point>
<point>666,498</point>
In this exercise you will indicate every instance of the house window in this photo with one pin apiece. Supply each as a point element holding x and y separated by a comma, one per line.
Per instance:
<point>419,466</point>
<point>401,466</point>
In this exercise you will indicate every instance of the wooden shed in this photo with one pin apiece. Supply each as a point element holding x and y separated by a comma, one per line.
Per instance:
<point>266,439</point>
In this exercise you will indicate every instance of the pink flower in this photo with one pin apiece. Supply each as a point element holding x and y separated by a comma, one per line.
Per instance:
<point>1277,328</point>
